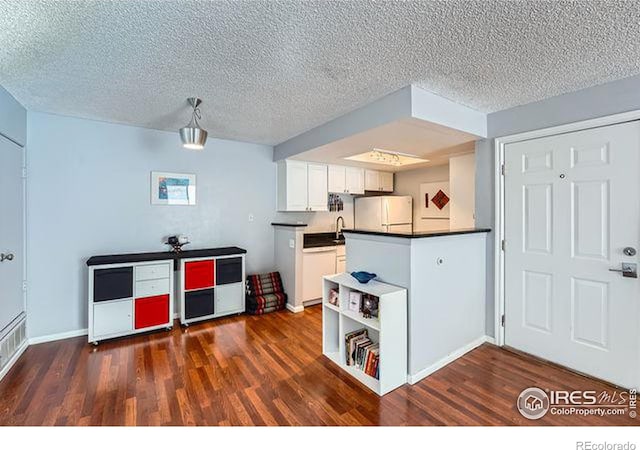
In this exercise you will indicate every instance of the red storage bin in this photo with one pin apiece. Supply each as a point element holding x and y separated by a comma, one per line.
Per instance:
<point>152,311</point>
<point>199,275</point>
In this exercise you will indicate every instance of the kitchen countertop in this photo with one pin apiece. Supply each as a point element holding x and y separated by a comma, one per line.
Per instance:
<point>421,234</point>
<point>156,256</point>
<point>282,224</point>
<point>315,240</point>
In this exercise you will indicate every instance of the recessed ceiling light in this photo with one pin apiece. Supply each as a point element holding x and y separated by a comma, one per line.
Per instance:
<point>386,157</point>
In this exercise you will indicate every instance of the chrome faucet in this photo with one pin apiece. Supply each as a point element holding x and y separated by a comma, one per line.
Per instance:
<point>338,226</point>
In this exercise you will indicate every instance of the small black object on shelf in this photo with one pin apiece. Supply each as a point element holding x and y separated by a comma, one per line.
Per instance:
<point>176,242</point>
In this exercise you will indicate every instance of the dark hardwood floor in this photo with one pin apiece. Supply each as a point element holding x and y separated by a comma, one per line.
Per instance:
<point>265,370</point>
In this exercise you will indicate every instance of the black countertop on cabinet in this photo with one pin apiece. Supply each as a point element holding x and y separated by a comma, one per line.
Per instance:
<point>421,234</point>
<point>156,256</point>
<point>314,240</point>
<point>282,224</point>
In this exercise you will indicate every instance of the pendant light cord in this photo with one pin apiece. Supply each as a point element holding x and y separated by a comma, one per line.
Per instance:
<point>196,115</point>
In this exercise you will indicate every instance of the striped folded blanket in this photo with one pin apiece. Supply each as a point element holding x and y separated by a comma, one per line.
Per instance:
<point>265,293</point>
<point>266,301</point>
<point>257,312</point>
<point>267,283</point>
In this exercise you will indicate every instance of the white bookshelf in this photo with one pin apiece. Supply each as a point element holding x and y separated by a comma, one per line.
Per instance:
<point>389,329</point>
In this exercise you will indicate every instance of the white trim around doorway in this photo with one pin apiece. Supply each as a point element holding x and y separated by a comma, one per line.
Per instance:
<point>499,263</point>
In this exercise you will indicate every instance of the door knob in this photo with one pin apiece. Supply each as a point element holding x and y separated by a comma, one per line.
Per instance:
<point>628,270</point>
<point>629,251</point>
<point>7,256</point>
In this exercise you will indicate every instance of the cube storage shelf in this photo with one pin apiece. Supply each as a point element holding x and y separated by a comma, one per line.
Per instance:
<point>211,287</point>
<point>129,298</point>
<point>134,292</point>
<point>389,329</point>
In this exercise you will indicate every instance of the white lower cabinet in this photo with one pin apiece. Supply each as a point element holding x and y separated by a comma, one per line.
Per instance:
<point>114,317</point>
<point>315,265</point>
<point>229,298</point>
<point>341,259</point>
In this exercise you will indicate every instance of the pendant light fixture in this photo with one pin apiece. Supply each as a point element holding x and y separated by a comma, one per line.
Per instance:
<point>193,137</point>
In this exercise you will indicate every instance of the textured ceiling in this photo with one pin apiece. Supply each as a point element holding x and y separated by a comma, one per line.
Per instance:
<point>269,70</point>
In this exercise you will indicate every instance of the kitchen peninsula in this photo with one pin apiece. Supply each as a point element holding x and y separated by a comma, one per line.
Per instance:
<point>303,258</point>
<point>444,274</point>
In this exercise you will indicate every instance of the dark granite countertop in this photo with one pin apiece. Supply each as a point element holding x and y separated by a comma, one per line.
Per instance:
<point>315,240</point>
<point>421,234</point>
<point>156,256</point>
<point>282,224</point>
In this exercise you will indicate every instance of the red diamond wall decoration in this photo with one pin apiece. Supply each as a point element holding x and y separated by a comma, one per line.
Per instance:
<point>440,199</point>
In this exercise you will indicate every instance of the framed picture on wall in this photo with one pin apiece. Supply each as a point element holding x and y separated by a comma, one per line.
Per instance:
<point>169,188</point>
<point>434,200</point>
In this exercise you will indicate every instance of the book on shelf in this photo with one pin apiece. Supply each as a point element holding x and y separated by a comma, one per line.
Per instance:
<point>350,340</point>
<point>362,352</point>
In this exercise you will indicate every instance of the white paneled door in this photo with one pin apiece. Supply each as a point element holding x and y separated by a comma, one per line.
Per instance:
<point>11,232</point>
<point>572,213</point>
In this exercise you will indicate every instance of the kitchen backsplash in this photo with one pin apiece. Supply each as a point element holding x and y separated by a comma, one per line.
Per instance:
<point>320,221</point>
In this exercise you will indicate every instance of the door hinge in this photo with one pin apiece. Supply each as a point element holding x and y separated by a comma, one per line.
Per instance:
<point>24,172</point>
<point>502,320</point>
<point>502,169</point>
<point>24,286</point>
<point>502,245</point>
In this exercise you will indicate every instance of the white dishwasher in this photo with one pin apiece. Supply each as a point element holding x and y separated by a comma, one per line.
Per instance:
<point>316,263</point>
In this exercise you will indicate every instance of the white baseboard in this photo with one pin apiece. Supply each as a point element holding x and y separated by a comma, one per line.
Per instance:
<point>14,359</point>
<point>413,379</point>
<point>490,340</point>
<point>295,309</point>
<point>312,302</point>
<point>58,336</point>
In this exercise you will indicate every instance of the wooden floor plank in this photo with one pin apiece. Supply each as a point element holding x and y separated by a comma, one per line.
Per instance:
<point>263,370</point>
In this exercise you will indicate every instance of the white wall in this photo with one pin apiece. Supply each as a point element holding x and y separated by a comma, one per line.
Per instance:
<point>462,187</point>
<point>88,194</point>
<point>597,101</point>
<point>13,118</point>
<point>408,183</point>
<point>485,218</point>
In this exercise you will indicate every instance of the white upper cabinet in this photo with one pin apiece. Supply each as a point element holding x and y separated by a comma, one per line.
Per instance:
<point>354,180</point>
<point>378,181</point>
<point>337,179</point>
<point>371,180</point>
<point>292,186</point>
<point>386,181</point>
<point>346,180</point>
<point>302,186</point>
<point>317,187</point>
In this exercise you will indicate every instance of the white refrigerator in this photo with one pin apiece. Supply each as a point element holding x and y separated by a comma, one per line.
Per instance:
<point>389,213</point>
